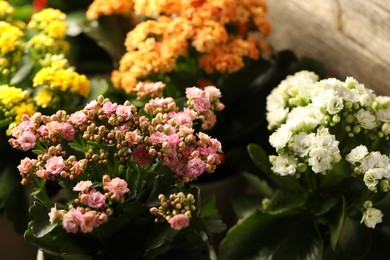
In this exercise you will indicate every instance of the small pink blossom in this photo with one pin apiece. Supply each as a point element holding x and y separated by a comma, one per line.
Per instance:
<point>27,140</point>
<point>201,104</point>
<point>109,108</point>
<point>92,105</point>
<point>170,158</point>
<point>55,164</point>
<point>55,214</point>
<point>68,131</point>
<point>213,92</point>
<point>141,155</point>
<point>43,131</point>
<point>132,137</point>
<point>78,118</point>
<point>88,221</point>
<point>117,186</point>
<point>26,165</point>
<point>158,138</point>
<point>182,119</point>
<point>82,186</point>
<point>195,167</point>
<point>95,199</point>
<point>71,221</point>
<point>174,139</point>
<point>54,128</point>
<point>25,125</point>
<point>123,112</point>
<point>42,173</point>
<point>179,221</point>
<point>193,92</point>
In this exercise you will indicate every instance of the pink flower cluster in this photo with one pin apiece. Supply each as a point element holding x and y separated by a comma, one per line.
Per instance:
<point>176,210</point>
<point>91,208</point>
<point>145,90</point>
<point>106,132</point>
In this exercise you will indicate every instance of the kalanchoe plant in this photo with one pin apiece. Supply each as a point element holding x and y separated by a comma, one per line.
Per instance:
<point>123,177</point>
<point>324,192</point>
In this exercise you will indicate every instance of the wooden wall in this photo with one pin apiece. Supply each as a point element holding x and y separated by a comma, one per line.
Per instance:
<point>351,37</point>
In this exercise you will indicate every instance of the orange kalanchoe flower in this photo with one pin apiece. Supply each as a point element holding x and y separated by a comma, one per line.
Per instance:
<point>220,31</point>
<point>107,7</point>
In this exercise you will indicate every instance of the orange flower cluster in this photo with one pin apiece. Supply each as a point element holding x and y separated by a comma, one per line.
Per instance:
<point>219,30</point>
<point>107,7</point>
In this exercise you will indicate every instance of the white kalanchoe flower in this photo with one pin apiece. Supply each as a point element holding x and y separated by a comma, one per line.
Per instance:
<point>283,165</point>
<point>371,217</point>
<point>357,154</point>
<point>320,160</point>
<point>366,119</point>
<point>383,115</point>
<point>302,143</point>
<point>280,137</point>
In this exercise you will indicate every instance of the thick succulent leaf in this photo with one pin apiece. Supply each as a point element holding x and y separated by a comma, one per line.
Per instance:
<point>265,236</point>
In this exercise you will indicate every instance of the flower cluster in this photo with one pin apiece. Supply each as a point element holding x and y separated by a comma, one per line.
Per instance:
<point>320,124</point>
<point>93,206</point>
<point>41,46</point>
<point>217,31</point>
<point>176,209</point>
<point>106,133</point>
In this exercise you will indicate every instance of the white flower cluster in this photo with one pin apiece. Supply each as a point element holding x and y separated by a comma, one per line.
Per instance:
<point>313,120</point>
<point>374,166</point>
<point>371,216</point>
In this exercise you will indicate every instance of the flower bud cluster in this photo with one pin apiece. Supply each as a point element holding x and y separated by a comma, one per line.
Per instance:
<point>92,207</point>
<point>176,209</point>
<point>113,133</point>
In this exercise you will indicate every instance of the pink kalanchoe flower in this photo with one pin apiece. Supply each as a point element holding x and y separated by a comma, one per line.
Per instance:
<point>55,214</point>
<point>27,140</point>
<point>43,131</point>
<point>42,173</point>
<point>71,220</point>
<point>201,104</point>
<point>133,137</point>
<point>195,167</point>
<point>158,138</point>
<point>213,92</point>
<point>141,155</point>
<point>26,165</point>
<point>179,222</point>
<point>54,128</point>
<point>117,186</point>
<point>55,164</point>
<point>82,186</point>
<point>88,221</point>
<point>193,92</point>
<point>25,125</point>
<point>92,105</point>
<point>68,131</point>
<point>173,140</point>
<point>109,108</point>
<point>95,199</point>
<point>78,118</point>
<point>123,112</point>
<point>181,118</point>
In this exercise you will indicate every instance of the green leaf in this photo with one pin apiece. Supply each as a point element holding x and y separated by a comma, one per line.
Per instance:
<point>244,205</point>
<point>99,86</point>
<point>264,236</point>
<point>337,227</point>
<point>208,207</point>
<point>355,239</point>
<point>23,72</point>
<point>285,201</point>
<point>261,186</point>
<point>40,225</point>
<point>260,158</point>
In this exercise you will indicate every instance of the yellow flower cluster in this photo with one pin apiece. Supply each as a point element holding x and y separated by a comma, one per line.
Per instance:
<point>53,80</point>
<point>6,10</point>
<point>219,30</point>
<point>14,102</point>
<point>51,27</point>
<point>11,49</point>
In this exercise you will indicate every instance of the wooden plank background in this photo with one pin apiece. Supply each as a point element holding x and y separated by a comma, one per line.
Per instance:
<point>351,37</point>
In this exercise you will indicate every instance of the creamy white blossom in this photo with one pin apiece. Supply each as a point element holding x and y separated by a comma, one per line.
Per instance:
<point>357,154</point>
<point>371,217</point>
<point>302,143</point>
<point>280,137</point>
<point>283,165</point>
<point>384,115</point>
<point>366,119</point>
<point>320,160</point>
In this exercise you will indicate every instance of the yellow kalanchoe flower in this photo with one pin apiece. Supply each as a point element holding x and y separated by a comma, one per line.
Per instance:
<point>43,97</point>
<point>62,79</point>
<point>50,21</point>
<point>6,10</point>
<point>9,38</point>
